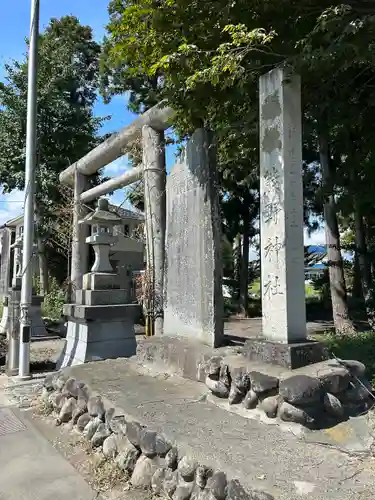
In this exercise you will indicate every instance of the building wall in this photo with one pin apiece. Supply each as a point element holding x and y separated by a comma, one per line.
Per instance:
<point>124,263</point>
<point>6,266</point>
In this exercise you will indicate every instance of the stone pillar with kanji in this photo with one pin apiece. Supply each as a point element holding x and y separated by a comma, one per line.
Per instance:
<point>284,339</point>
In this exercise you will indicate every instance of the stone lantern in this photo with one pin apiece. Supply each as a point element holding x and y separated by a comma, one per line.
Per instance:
<point>101,320</point>
<point>102,222</point>
<point>17,266</point>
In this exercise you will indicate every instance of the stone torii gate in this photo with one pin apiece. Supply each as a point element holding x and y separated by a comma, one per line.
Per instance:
<point>149,130</point>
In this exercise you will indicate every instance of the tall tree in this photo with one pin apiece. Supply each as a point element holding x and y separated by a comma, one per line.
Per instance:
<point>206,59</point>
<point>66,127</point>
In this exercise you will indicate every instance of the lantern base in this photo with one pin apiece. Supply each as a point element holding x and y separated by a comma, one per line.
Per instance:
<point>97,340</point>
<point>98,332</point>
<point>100,281</point>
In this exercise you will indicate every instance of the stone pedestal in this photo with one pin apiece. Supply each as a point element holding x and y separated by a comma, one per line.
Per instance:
<point>38,330</point>
<point>4,324</point>
<point>97,332</point>
<point>12,359</point>
<point>292,356</point>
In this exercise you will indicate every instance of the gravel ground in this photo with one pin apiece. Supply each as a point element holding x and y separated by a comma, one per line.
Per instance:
<point>43,354</point>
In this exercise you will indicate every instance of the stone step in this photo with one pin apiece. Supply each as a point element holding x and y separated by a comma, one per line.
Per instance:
<point>261,456</point>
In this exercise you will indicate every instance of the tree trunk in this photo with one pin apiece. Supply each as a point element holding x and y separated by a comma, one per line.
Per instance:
<point>363,262</point>
<point>42,260</point>
<point>357,285</point>
<point>342,323</point>
<point>237,250</point>
<point>244,278</point>
<point>43,267</point>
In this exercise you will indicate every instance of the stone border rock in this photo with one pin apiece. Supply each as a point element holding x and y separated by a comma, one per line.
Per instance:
<point>340,391</point>
<point>146,456</point>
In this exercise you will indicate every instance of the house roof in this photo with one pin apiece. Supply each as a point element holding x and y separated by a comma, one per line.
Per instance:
<point>319,266</point>
<point>13,222</point>
<point>121,212</point>
<point>126,214</point>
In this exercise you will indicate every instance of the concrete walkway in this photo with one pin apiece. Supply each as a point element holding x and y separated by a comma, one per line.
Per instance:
<point>261,456</point>
<point>30,467</point>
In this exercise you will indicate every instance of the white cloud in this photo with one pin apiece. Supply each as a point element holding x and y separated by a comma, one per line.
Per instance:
<point>316,238</point>
<point>117,167</point>
<point>11,205</point>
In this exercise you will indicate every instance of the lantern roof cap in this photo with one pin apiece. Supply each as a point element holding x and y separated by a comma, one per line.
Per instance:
<point>102,215</point>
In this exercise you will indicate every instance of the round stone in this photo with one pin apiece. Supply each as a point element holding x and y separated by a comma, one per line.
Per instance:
<point>78,411</point>
<point>333,406</point>
<point>290,413</point>
<point>235,491</point>
<point>144,469</point>
<point>127,456</point>
<point>118,424</point>
<point>67,410</point>
<point>217,484</point>
<point>170,483</point>
<point>133,432</point>
<point>335,380</point>
<point>225,377</point>
<point>110,446</point>
<point>355,368</point>
<point>186,467</point>
<point>301,390</point>
<point>235,396</point>
<point>182,492</point>
<point>358,392</point>
<point>161,445</point>
<point>95,407</point>
<point>251,400</point>
<point>157,481</point>
<point>82,421</point>
<point>101,433</point>
<point>171,458</point>
<point>261,495</point>
<point>91,428</point>
<point>217,388</point>
<point>147,443</point>
<point>213,366</point>
<point>261,382</point>
<point>240,386</point>
<point>270,406</point>
<point>109,415</point>
<point>71,388</point>
<point>201,475</point>
<point>48,382</point>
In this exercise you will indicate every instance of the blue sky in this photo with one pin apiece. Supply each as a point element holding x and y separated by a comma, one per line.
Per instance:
<point>14,27</point>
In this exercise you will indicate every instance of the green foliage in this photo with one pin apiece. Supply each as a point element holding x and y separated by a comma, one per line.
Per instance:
<point>54,300</point>
<point>66,127</point>
<point>360,347</point>
<point>205,58</point>
<point>321,285</point>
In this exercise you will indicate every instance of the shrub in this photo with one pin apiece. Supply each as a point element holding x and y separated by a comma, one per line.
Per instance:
<point>54,300</point>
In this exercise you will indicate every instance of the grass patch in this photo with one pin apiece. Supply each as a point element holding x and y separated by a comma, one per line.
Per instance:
<point>310,291</point>
<point>360,347</point>
<point>255,287</point>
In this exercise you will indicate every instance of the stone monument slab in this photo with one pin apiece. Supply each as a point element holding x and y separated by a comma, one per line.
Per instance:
<point>193,280</point>
<point>281,208</point>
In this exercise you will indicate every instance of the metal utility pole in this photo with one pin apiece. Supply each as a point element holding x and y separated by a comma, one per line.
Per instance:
<point>30,167</point>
